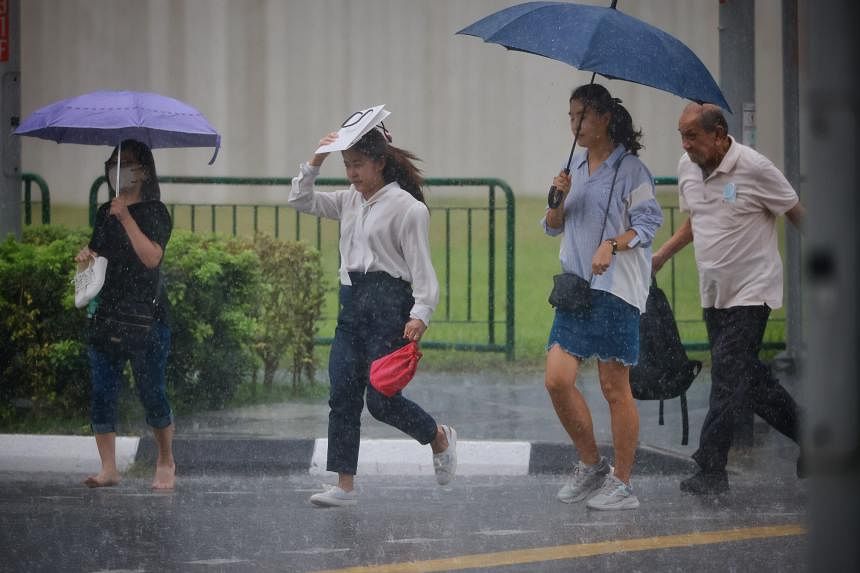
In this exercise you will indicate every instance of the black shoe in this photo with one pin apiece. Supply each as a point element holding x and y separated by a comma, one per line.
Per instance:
<point>706,483</point>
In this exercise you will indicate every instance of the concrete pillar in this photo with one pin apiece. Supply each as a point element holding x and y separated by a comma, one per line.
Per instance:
<point>830,96</point>
<point>737,81</point>
<point>10,112</point>
<point>794,341</point>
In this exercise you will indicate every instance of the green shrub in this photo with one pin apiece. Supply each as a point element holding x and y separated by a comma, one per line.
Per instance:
<point>290,307</point>
<point>226,304</point>
<point>213,287</point>
<point>42,359</point>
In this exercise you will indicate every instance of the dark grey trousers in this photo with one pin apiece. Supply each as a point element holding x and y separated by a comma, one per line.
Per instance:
<point>738,377</point>
<point>373,313</point>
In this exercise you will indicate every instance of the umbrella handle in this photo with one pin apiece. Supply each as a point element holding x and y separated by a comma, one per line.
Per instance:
<point>555,196</point>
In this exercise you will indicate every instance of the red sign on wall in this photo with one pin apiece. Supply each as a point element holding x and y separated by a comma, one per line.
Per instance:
<point>4,31</point>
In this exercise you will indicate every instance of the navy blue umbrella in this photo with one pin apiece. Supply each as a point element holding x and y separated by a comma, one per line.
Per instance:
<point>604,41</point>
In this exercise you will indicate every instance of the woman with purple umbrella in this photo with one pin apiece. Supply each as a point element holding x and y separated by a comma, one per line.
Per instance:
<point>131,232</point>
<point>607,218</point>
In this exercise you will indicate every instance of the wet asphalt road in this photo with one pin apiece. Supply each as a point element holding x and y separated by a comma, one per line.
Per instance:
<point>513,524</point>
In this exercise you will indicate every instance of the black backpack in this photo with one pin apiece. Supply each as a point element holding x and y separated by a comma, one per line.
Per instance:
<point>664,371</point>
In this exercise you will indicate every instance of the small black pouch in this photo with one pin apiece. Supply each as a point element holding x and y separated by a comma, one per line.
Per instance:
<point>570,292</point>
<point>123,330</point>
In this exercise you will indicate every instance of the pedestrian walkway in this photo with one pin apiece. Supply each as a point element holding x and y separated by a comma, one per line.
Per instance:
<point>505,421</point>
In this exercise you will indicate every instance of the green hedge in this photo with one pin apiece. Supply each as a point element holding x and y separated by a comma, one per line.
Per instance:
<point>291,302</point>
<point>43,367</point>
<point>227,299</point>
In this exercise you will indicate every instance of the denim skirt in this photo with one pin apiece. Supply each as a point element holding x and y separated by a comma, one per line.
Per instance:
<point>608,330</point>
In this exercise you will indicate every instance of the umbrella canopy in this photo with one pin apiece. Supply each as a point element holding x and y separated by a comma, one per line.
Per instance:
<point>604,41</point>
<point>109,117</point>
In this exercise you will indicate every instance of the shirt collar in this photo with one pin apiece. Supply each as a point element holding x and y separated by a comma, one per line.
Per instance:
<point>379,194</point>
<point>729,159</point>
<point>611,160</point>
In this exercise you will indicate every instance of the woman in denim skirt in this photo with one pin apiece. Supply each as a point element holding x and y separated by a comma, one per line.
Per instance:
<point>607,219</point>
<point>388,293</point>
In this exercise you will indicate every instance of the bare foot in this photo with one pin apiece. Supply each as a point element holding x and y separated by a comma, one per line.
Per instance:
<point>103,479</point>
<point>165,477</point>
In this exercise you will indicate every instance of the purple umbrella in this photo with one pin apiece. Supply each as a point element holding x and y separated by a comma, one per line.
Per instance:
<point>109,117</point>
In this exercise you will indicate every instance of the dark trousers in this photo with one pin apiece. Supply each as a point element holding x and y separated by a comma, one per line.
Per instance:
<point>373,313</point>
<point>738,377</point>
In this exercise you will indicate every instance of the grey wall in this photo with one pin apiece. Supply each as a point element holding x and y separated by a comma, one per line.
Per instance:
<point>274,75</point>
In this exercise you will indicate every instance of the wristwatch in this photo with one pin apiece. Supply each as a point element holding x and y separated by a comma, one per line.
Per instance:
<point>614,244</point>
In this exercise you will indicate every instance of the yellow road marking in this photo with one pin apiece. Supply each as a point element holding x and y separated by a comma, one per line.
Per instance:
<point>538,554</point>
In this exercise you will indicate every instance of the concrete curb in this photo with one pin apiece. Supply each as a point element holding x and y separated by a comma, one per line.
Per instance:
<point>555,458</point>
<point>237,455</point>
<point>194,455</point>
<point>65,454</point>
<point>395,457</point>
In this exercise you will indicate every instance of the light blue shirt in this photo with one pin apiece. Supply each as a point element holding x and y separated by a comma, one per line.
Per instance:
<point>633,206</point>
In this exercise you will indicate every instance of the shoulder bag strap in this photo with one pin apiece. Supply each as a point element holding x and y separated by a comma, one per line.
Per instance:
<point>609,202</point>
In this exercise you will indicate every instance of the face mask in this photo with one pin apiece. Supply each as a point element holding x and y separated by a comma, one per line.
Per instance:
<point>127,177</point>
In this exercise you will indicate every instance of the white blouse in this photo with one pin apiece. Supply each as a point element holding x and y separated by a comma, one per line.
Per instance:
<point>388,233</point>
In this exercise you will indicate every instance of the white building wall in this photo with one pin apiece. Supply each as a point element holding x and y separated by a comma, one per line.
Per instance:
<point>274,75</point>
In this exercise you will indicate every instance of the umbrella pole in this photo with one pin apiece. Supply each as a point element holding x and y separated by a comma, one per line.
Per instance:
<point>118,166</point>
<point>554,197</point>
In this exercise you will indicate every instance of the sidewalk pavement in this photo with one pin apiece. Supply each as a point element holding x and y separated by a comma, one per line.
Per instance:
<point>505,422</point>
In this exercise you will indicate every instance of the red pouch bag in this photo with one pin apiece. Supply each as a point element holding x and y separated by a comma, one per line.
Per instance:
<point>391,373</point>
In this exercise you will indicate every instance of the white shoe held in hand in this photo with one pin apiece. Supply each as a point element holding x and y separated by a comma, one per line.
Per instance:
<point>89,280</point>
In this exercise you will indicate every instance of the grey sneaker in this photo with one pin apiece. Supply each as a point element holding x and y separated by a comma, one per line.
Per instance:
<point>584,480</point>
<point>334,497</point>
<point>445,463</point>
<point>615,494</point>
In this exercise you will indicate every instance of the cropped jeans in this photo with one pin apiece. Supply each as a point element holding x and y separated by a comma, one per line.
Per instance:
<point>149,369</point>
<point>373,312</point>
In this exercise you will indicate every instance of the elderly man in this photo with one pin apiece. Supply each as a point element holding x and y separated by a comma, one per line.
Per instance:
<point>733,195</point>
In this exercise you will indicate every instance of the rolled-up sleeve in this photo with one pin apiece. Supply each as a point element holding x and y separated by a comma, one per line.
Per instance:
<point>415,241</point>
<point>645,215</point>
<point>551,231</point>
<point>304,198</point>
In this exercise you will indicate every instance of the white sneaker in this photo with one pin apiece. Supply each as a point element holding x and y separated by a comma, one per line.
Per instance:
<point>445,463</point>
<point>583,481</point>
<point>334,497</point>
<point>615,494</point>
<point>89,281</point>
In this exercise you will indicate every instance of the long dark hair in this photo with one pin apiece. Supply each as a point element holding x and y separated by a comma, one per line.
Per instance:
<point>399,163</point>
<point>150,190</point>
<point>620,128</point>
